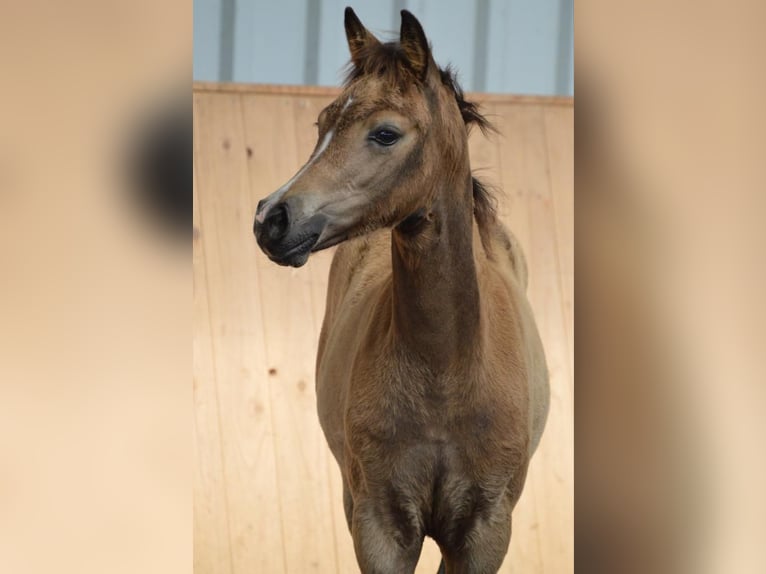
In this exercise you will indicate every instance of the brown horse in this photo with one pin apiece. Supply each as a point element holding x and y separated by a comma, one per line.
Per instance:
<point>431,380</point>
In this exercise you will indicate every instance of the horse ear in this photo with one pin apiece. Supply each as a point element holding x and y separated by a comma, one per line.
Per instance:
<point>414,43</point>
<point>357,35</point>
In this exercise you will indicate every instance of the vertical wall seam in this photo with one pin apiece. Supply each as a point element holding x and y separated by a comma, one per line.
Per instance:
<point>398,5</point>
<point>228,31</point>
<point>313,37</point>
<point>480,46</point>
<point>564,53</point>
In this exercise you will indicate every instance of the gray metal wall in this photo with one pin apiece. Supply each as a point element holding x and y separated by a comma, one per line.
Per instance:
<point>504,46</point>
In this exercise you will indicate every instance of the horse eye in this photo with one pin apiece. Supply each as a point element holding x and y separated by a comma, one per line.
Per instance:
<point>384,137</point>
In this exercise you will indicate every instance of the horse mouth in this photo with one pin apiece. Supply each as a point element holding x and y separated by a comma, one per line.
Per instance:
<point>329,242</point>
<point>298,254</point>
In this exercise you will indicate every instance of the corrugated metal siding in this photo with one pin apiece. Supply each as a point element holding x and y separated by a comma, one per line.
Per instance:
<point>503,46</point>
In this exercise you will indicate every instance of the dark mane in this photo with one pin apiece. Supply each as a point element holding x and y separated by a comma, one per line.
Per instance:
<point>469,110</point>
<point>484,204</point>
<point>388,61</point>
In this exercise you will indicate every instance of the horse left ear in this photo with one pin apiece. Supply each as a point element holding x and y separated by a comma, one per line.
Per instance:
<point>357,35</point>
<point>414,43</point>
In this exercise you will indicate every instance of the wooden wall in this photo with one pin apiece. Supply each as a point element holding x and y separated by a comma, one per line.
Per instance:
<point>267,496</point>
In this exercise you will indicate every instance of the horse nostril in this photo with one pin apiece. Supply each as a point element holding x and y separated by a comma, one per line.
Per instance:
<point>277,221</point>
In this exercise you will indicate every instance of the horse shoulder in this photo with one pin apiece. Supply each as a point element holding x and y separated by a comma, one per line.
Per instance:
<point>514,336</point>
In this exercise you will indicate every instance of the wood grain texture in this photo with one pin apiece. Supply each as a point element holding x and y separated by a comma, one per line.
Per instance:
<point>331,92</point>
<point>267,490</point>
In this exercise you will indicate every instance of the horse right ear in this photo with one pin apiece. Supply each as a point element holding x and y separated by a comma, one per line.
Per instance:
<point>357,35</point>
<point>414,44</point>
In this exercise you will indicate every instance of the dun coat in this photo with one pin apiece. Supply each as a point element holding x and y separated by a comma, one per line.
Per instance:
<point>431,379</point>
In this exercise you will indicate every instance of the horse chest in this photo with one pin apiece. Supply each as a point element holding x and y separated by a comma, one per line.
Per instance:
<point>434,476</point>
<point>398,424</point>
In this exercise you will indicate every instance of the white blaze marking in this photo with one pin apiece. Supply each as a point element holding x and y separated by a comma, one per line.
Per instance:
<point>277,195</point>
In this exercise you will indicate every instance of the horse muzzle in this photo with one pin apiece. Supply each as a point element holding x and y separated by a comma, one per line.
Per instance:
<point>285,239</point>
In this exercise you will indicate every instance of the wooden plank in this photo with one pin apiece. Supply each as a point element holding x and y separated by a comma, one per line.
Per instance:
<point>559,137</point>
<point>332,92</point>
<point>291,337</point>
<point>524,170</point>
<point>212,551</point>
<point>240,363</point>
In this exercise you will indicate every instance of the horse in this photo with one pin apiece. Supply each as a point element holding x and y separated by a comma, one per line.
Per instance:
<point>431,381</point>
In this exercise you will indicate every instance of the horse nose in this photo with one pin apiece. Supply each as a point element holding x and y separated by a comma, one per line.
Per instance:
<point>275,225</point>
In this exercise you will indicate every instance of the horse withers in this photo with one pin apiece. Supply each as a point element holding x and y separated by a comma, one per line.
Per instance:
<point>431,380</point>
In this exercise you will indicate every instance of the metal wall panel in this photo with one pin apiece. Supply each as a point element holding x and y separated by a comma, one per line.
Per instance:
<point>505,46</point>
<point>377,16</point>
<point>207,39</point>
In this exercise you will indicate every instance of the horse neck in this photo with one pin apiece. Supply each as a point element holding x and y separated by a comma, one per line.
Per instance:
<point>435,288</point>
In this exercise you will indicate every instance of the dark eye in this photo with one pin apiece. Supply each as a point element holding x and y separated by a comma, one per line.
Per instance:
<point>384,137</point>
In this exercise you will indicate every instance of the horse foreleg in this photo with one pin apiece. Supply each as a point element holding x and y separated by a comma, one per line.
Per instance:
<point>379,549</point>
<point>348,504</point>
<point>484,548</point>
